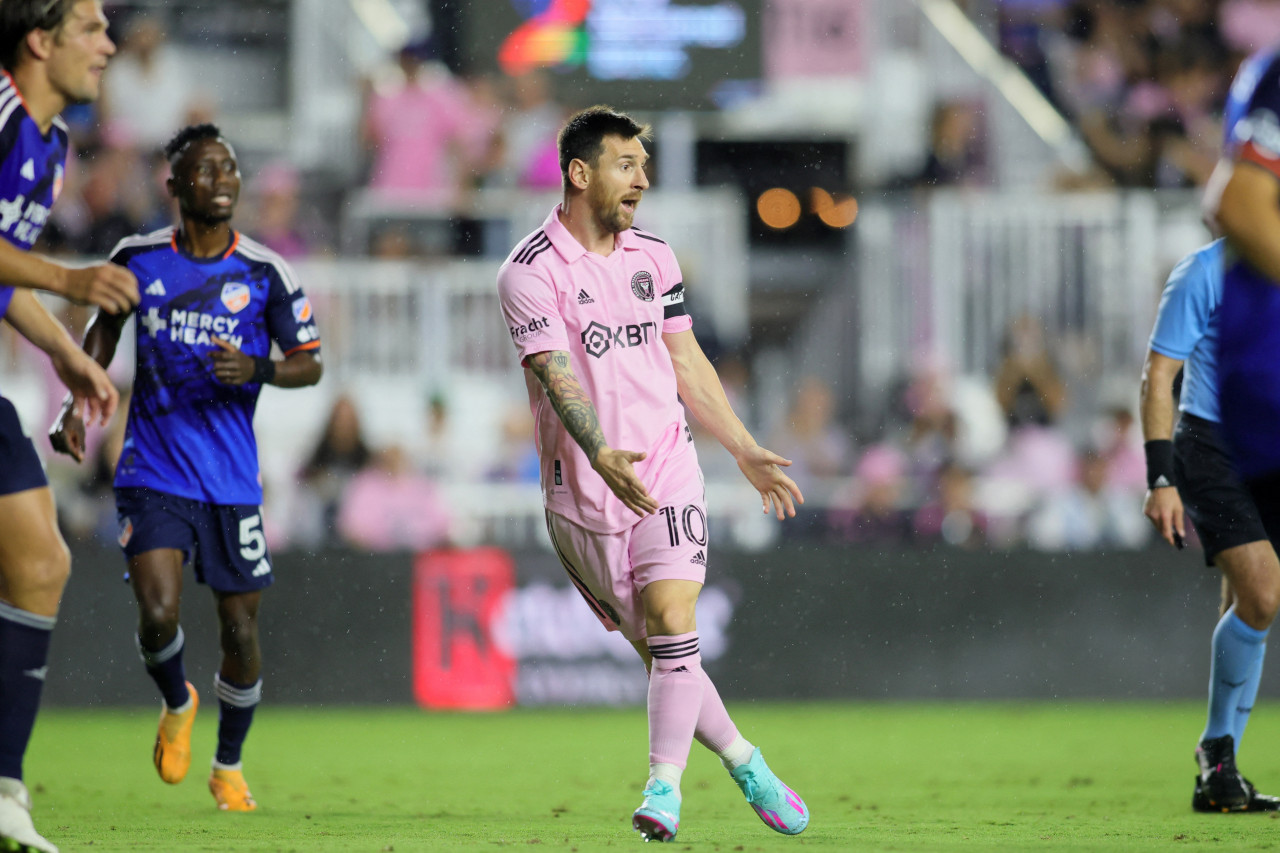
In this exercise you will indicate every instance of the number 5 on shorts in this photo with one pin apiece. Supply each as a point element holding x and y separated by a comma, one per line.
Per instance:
<point>252,543</point>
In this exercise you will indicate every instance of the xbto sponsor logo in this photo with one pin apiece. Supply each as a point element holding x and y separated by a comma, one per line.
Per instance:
<point>598,339</point>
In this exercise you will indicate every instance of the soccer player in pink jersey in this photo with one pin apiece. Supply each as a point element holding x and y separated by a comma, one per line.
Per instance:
<point>595,307</point>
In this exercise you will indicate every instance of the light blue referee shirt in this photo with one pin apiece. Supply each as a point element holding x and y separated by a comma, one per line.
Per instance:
<point>1187,327</point>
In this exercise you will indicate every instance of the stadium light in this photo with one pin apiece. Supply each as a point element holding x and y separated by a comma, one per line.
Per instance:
<point>778,208</point>
<point>837,211</point>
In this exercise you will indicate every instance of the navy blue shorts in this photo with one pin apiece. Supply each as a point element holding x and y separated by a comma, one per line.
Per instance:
<point>223,543</point>
<point>20,467</point>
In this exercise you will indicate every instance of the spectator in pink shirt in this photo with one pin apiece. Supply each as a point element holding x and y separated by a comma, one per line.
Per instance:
<point>416,128</point>
<point>389,507</point>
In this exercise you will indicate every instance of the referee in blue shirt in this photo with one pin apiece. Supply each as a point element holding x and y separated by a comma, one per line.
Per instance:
<point>1195,468</point>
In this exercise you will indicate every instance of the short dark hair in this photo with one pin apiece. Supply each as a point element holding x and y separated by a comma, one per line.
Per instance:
<point>582,137</point>
<point>20,17</point>
<point>191,133</point>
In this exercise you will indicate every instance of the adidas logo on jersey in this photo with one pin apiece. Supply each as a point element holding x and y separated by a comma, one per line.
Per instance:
<point>155,288</point>
<point>700,558</point>
<point>28,170</point>
<point>1161,482</point>
<point>584,299</point>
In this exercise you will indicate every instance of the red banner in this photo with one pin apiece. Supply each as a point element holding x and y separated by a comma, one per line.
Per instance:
<point>456,596</point>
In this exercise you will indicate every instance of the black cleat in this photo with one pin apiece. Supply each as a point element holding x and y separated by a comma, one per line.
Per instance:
<point>1260,802</point>
<point>1257,802</point>
<point>1221,787</point>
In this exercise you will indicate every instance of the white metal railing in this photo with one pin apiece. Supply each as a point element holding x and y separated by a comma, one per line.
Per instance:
<point>941,281</point>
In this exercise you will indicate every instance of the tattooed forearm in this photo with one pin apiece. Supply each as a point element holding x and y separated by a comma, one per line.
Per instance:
<point>569,400</point>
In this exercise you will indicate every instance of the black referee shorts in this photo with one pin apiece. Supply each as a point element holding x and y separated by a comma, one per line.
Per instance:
<point>1216,499</point>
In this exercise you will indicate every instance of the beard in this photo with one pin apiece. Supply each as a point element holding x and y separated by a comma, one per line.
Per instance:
<point>611,216</point>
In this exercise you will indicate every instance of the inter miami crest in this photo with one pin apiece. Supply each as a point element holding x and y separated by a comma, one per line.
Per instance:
<point>642,286</point>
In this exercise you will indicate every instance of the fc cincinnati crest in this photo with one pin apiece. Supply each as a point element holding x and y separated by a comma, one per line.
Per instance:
<point>642,286</point>
<point>235,296</point>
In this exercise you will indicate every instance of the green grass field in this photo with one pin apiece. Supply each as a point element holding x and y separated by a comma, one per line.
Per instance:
<point>910,777</point>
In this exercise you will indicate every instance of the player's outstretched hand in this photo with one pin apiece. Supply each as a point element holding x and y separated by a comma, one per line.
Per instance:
<point>1163,507</point>
<point>93,396</point>
<point>616,467</point>
<point>230,366</point>
<point>109,286</point>
<point>67,433</point>
<point>778,492</point>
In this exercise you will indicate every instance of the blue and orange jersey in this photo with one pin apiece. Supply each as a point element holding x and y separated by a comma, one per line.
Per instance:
<point>189,434</point>
<point>31,172</point>
<point>1249,328</point>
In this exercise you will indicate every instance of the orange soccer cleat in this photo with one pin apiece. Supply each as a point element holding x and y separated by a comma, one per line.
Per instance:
<point>172,754</point>
<point>231,791</point>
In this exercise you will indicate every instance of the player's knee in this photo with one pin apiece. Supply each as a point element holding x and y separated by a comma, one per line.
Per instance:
<point>46,575</point>
<point>1263,604</point>
<point>671,617</point>
<point>240,634</point>
<point>159,615</point>
<point>1257,601</point>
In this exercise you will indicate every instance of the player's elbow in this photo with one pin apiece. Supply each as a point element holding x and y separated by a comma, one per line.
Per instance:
<point>314,375</point>
<point>312,370</point>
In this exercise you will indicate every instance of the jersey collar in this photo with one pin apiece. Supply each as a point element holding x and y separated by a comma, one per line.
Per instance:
<point>231,247</point>
<point>569,247</point>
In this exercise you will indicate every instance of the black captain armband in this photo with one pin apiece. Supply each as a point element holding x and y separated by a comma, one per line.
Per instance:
<point>264,370</point>
<point>1159,463</point>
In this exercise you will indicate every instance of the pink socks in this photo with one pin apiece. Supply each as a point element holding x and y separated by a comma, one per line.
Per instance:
<point>676,687</point>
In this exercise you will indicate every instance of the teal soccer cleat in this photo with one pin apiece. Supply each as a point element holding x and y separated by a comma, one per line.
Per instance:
<point>779,807</point>
<point>658,817</point>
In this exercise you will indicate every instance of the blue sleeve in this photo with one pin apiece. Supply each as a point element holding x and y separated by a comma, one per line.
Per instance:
<point>1187,304</point>
<point>1251,126</point>
<point>291,322</point>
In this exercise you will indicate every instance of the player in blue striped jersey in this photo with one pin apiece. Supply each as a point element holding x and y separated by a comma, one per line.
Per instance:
<point>187,483</point>
<point>53,53</point>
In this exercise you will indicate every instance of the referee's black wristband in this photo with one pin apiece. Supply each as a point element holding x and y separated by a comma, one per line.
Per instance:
<point>264,370</point>
<point>1159,463</point>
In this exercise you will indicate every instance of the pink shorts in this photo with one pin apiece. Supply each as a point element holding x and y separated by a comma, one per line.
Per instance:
<point>610,569</point>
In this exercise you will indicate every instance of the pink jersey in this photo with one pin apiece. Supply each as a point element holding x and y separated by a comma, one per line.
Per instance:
<point>609,314</point>
<point>414,125</point>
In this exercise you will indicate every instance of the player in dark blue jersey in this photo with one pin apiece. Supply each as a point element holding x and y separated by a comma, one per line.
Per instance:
<point>187,483</point>
<point>1191,464</point>
<point>53,53</point>
<point>1243,202</point>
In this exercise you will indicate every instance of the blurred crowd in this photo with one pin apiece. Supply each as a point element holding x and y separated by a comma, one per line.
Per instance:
<point>998,461</point>
<point>993,461</point>
<point>963,462</point>
<point>1144,80</point>
<point>426,136</point>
